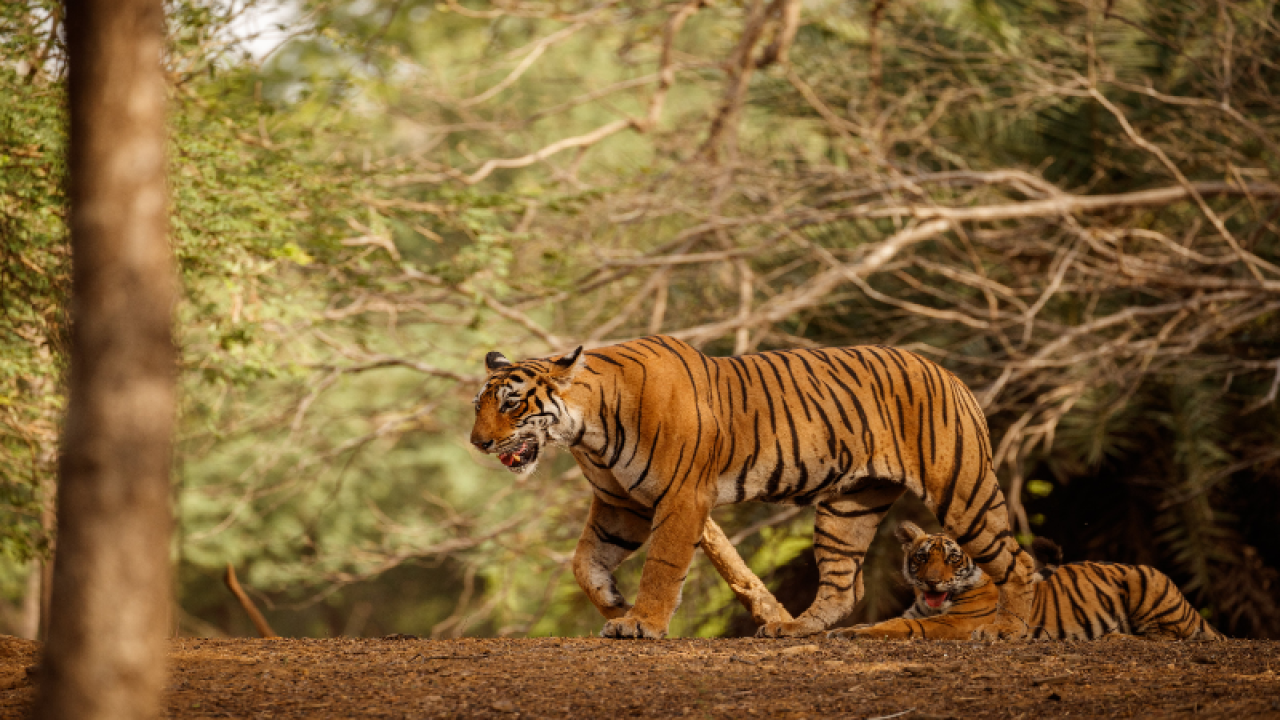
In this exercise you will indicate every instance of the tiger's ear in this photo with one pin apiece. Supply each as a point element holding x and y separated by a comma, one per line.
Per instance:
<point>908,532</point>
<point>568,365</point>
<point>495,361</point>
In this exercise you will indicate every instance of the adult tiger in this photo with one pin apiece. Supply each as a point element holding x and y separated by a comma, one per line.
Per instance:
<point>1079,601</point>
<point>664,433</point>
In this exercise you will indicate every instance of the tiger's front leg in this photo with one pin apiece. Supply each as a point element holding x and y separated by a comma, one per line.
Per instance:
<point>982,529</point>
<point>611,535</point>
<point>677,530</point>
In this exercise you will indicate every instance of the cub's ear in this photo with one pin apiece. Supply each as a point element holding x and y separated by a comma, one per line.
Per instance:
<point>495,361</point>
<point>908,532</point>
<point>568,365</point>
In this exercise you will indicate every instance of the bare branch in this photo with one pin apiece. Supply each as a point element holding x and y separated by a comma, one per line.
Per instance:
<point>1252,261</point>
<point>579,141</point>
<point>538,49</point>
<point>818,287</point>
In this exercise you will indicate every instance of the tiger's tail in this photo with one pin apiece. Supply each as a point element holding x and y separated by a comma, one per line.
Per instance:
<point>1048,556</point>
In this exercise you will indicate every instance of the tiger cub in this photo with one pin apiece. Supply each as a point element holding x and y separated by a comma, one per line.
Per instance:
<point>1077,601</point>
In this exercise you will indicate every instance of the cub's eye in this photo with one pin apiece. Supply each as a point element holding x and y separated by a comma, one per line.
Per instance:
<point>509,404</point>
<point>953,559</point>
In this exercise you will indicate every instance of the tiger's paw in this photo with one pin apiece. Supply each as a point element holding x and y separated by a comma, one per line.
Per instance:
<point>794,628</point>
<point>613,612</point>
<point>630,627</point>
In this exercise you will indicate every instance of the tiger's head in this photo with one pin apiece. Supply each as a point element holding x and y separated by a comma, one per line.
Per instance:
<point>521,408</point>
<point>935,566</point>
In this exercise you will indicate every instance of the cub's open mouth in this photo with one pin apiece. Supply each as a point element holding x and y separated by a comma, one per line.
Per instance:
<point>935,599</point>
<point>521,457</point>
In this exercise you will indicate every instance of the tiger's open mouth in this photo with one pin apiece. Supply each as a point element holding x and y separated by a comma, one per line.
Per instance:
<point>935,599</point>
<point>521,457</point>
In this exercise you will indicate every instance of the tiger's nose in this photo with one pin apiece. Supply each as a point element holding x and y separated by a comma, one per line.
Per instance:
<point>482,445</point>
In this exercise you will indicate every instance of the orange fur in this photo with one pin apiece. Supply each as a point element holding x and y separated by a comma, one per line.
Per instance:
<point>1078,601</point>
<point>664,433</point>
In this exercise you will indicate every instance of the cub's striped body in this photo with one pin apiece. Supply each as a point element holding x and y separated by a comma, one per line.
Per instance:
<point>953,595</point>
<point>664,434</point>
<point>1079,601</point>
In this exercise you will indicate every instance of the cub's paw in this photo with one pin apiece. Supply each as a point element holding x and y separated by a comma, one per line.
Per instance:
<point>985,634</point>
<point>1015,630</point>
<point>849,633</point>
<point>629,627</point>
<point>795,628</point>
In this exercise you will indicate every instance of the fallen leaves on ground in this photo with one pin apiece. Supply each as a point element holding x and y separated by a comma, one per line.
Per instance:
<point>717,678</point>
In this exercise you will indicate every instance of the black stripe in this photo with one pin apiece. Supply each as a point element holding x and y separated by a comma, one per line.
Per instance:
<point>902,368</point>
<point>949,491</point>
<point>605,358</point>
<point>775,478</point>
<point>738,366</point>
<point>649,461</point>
<point>607,537</point>
<point>639,423</point>
<point>791,375</point>
<point>750,462</point>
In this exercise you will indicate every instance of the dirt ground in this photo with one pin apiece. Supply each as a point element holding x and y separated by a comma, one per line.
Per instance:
<point>592,678</point>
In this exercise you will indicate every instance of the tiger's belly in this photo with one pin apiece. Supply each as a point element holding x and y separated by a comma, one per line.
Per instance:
<point>805,483</point>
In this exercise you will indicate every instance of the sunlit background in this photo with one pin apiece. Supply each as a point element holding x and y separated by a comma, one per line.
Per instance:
<point>369,195</point>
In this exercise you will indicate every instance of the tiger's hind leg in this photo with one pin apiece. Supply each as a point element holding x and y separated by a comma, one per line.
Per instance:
<point>843,530</point>
<point>1158,610</point>
<point>981,526</point>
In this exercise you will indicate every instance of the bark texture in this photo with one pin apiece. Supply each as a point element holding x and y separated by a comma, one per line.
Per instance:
<point>110,606</point>
<point>751,591</point>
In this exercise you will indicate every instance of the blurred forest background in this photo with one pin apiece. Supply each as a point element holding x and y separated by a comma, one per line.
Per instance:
<point>1071,204</point>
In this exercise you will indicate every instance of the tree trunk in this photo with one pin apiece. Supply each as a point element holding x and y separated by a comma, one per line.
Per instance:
<point>109,613</point>
<point>29,627</point>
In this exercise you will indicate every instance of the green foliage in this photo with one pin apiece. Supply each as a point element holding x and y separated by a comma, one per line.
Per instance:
<point>343,279</point>
<point>34,276</point>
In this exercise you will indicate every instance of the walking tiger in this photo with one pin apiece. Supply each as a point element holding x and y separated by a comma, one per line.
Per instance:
<point>1078,601</point>
<point>664,433</point>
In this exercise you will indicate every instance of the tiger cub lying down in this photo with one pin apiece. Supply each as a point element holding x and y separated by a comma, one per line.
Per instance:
<point>1079,601</point>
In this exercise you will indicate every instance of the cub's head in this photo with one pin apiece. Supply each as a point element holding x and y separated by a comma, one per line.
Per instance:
<point>521,407</point>
<point>935,566</point>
